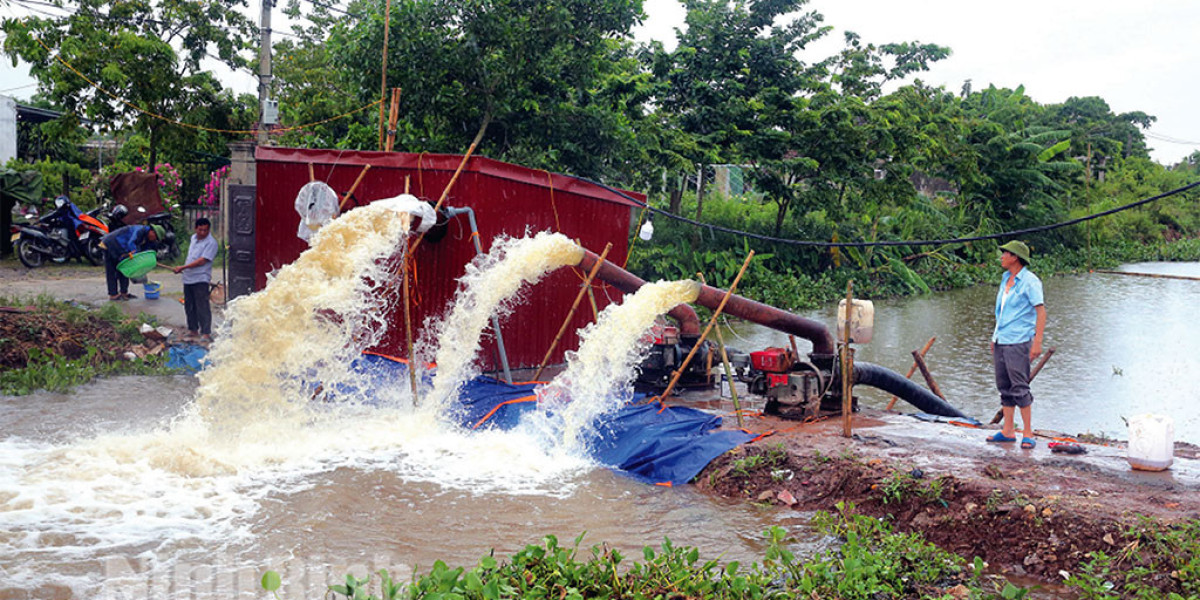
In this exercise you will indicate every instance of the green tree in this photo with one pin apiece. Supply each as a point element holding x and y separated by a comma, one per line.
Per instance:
<point>145,56</point>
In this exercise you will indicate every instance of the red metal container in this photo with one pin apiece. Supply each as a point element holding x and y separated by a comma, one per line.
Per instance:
<point>507,199</point>
<point>771,360</point>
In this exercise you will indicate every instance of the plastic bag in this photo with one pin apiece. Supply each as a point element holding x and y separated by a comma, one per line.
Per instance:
<point>317,204</point>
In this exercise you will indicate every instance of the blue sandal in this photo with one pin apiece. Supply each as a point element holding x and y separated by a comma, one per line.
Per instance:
<point>1000,438</point>
<point>1028,443</point>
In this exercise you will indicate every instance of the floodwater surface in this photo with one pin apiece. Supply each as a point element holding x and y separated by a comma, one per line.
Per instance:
<point>1125,345</point>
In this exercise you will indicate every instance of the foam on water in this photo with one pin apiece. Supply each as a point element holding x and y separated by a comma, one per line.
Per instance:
<point>252,432</point>
<point>489,287</point>
<point>598,378</point>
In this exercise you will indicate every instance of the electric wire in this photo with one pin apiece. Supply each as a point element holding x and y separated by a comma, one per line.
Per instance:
<point>940,242</point>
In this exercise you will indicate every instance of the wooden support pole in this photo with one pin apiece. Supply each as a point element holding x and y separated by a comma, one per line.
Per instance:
<point>408,334</point>
<point>933,386</point>
<point>1032,373</point>
<point>847,364</point>
<point>457,172</point>
<point>737,406</point>
<point>704,334</point>
<point>311,176</point>
<point>407,180</point>
<point>587,284</point>
<point>393,116</point>
<point>913,368</point>
<point>346,198</point>
<point>387,27</point>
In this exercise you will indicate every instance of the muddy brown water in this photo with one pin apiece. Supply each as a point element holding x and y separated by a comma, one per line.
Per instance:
<point>1126,345</point>
<point>91,505</point>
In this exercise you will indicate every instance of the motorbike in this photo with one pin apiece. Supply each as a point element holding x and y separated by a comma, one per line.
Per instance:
<point>60,235</point>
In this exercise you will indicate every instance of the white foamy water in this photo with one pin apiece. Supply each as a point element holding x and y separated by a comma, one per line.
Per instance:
<point>598,378</point>
<point>489,287</point>
<point>164,495</point>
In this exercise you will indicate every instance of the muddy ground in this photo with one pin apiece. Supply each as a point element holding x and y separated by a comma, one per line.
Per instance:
<point>1030,513</point>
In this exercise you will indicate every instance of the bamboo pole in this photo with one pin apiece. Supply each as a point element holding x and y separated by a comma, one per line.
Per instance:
<point>1155,275</point>
<point>591,295</point>
<point>311,176</point>
<point>387,28</point>
<point>457,172</point>
<point>393,116</point>
<point>913,368</point>
<point>847,364</point>
<point>711,322</point>
<point>933,386</point>
<point>408,336</point>
<point>357,180</point>
<point>587,284</point>
<point>1032,373</point>
<point>737,407</point>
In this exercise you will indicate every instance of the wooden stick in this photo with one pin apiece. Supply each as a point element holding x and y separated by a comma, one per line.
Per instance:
<point>408,335</point>
<point>933,386</point>
<point>393,116</point>
<point>457,172</point>
<point>711,322</point>
<point>737,407</point>
<point>913,368</point>
<point>847,365</point>
<point>407,179</point>
<point>387,27</point>
<point>1032,373</point>
<point>1156,275</point>
<point>311,176</point>
<point>358,180</point>
<point>795,351</point>
<point>587,283</point>
<point>591,295</point>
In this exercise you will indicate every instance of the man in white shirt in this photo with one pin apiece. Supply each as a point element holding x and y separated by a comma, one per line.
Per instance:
<point>197,275</point>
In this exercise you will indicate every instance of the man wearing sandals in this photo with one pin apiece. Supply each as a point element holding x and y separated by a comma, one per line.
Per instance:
<point>1017,340</point>
<point>197,275</point>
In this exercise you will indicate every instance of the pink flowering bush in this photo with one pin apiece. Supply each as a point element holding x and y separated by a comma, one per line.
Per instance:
<point>170,184</point>
<point>212,189</point>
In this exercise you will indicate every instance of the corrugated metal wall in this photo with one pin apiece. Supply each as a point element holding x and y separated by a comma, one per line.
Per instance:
<point>507,199</point>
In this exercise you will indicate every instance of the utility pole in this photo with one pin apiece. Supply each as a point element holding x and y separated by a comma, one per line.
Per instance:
<point>264,70</point>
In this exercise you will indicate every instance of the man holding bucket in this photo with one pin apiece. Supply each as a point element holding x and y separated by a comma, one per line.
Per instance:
<point>197,274</point>
<point>1017,339</point>
<point>121,244</point>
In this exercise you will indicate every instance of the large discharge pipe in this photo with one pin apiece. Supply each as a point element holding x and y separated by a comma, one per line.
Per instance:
<point>737,306</point>
<point>824,348</point>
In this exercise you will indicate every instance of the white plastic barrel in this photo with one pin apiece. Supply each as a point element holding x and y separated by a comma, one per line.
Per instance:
<point>1151,442</point>
<point>862,321</point>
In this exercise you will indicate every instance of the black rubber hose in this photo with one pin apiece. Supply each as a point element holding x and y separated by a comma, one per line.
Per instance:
<point>890,381</point>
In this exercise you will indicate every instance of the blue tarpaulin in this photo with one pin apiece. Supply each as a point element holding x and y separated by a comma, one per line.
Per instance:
<point>653,444</point>
<point>188,358</point>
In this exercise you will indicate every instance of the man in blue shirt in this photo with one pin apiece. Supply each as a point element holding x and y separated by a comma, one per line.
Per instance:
<point>121,244</point>
<point>1017,339</point>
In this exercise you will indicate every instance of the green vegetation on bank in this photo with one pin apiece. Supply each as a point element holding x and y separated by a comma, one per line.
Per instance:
<point>59,345</point>
<point>867,561</point>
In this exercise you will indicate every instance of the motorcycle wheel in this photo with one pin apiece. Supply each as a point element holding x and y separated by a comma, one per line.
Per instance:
<point>95,254</point>
<point>29,255</point>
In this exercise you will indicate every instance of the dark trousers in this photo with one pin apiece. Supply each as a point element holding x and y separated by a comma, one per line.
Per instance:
<point>1012,373</point>
<point>117,282</point>
<point>197,308</point>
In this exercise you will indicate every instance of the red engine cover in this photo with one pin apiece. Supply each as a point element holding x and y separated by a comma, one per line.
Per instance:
<point>776,379</point>
<point>771,360</point>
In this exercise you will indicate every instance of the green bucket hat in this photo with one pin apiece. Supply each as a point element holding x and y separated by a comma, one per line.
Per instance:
<point>159,232</point>
<point>1018,248</point>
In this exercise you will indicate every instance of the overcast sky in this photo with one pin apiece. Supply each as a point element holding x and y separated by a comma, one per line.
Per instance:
<point>1136,55</point>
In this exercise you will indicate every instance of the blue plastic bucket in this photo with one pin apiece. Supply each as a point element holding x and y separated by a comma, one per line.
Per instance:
<point>151,289</point>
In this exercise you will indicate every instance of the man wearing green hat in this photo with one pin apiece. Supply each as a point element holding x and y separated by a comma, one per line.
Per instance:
<point>121,244</point>
<point>1017,339</point>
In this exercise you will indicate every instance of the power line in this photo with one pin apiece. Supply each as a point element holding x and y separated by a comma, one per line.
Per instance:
<point>816,244</point>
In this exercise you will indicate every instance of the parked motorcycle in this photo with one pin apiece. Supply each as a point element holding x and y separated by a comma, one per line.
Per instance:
<point>168,248</point>
<point>60,235</point>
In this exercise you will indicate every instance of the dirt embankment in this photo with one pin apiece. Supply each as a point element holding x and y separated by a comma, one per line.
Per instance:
<point>1027,513</point>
